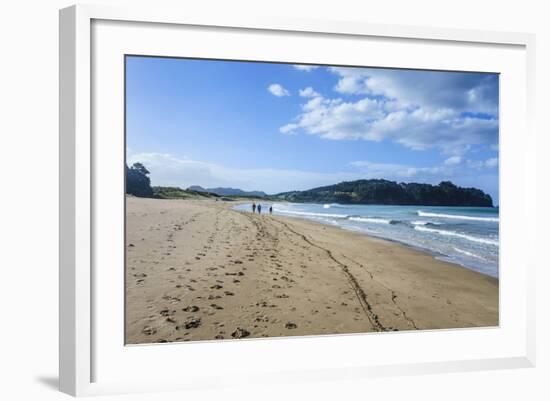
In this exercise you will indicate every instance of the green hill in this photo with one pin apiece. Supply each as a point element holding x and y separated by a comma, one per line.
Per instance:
<point>384,192</point>
<point>178,193</point>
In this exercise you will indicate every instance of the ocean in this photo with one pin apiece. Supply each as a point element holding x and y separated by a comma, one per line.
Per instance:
<point>468,236</point>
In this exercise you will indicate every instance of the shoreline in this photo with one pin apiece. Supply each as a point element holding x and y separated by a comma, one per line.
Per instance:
<point>436,255</point>
<point>199,270</point>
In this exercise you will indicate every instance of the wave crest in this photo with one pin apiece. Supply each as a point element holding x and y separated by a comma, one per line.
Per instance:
<point>473,255</point>
<point>457,216</point>
<point>458,235</point>
<point>313,214</point>
<point>375,220</point>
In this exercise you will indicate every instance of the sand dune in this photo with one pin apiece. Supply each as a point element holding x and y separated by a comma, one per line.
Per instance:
<point>197,270</point>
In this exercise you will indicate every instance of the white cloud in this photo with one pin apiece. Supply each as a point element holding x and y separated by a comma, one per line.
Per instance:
<point>278,90</point>
<point>420,110</point>
<point>453,160</point>
<point>492,162</point>
<point>461,92</point>
<point>376,119</point>
<point>476,164</point>
<point>308,92</point>
<point>480,164</point>
<point>289,129</point>
<point>168,170</point>
<point>398,172</point>
<point>304,67</point>
<point>473,174</point>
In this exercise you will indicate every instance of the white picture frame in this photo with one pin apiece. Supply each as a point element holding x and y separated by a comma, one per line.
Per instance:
<point>83,351</point>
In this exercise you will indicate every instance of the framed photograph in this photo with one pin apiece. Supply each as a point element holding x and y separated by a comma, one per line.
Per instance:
<point>278,200</point>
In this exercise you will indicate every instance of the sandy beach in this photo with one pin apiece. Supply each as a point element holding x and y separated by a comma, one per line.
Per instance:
<point>198,270</point>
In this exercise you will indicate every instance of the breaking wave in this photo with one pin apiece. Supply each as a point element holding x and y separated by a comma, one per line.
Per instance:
<point>458,235</point>
<point>457,217</point>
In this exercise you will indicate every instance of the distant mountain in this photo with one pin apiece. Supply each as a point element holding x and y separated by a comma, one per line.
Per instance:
<point>196,188</point>
<point>227,191</point>
<point>384,192</point>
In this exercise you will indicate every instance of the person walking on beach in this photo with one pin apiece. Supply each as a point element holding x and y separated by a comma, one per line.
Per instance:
<point>254,207</point>
<point>270,209</point>
<point>259,209</point>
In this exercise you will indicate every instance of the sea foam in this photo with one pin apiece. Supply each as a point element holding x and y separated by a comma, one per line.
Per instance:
<point>458,235</point>
<point>374,220</point>
<point>313,214</point>
<point>457,217</point>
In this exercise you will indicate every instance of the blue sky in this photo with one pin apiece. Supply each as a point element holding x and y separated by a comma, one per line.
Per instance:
<point>281,127</point>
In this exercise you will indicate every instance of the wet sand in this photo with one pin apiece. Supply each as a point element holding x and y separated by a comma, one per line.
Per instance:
<point>198,270</point>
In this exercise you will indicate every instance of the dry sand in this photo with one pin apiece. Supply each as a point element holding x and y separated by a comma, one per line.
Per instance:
<point>197,270</point>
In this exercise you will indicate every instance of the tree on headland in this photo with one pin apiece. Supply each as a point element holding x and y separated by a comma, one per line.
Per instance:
<point>384,192</point>
<point>138,182</point>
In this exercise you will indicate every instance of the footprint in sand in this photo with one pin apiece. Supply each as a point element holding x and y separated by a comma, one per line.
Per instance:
<point>218,307</point>
<point>192,308</point>
<point>291,325</point>
<point>148,330</point>
<point>240,333</point>
<point>190,323</point>
<point>171,299</point>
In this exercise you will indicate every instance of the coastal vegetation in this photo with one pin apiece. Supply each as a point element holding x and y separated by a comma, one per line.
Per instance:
<point>179,193</point>
<point>366,192</point>
<point>228,191</point>
<point>384,192</point>
<point>138,182</point>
